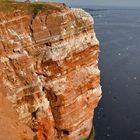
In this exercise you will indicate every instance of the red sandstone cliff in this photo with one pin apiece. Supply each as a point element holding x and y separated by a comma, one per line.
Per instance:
<point>49,68</point>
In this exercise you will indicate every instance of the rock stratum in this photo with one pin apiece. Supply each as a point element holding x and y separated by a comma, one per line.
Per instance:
<point>49,69</point>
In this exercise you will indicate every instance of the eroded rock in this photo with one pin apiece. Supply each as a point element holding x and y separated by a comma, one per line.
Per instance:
<point>49,68</point>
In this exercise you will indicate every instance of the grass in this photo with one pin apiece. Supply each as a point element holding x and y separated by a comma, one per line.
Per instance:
<point>27,7</point>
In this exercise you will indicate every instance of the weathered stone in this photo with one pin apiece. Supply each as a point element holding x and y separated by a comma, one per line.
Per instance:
<point>49,69</point>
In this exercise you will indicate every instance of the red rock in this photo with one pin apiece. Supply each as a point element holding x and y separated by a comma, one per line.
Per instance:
<point>49,69</point>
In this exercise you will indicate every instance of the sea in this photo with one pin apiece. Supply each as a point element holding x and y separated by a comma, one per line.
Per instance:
<point>118,115</point>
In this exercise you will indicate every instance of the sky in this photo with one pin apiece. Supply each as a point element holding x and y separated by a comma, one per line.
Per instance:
<point>100,2</point>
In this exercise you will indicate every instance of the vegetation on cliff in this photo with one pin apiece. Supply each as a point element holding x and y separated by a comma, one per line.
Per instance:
<point>28,7</point>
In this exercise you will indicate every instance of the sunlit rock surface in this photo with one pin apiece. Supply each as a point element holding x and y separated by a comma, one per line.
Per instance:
<point>49,68</point>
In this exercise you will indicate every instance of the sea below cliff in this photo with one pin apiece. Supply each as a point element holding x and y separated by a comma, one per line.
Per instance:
<point>117,116</point>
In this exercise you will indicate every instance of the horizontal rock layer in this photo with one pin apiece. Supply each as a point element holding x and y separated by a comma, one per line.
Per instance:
<point>49,68</point>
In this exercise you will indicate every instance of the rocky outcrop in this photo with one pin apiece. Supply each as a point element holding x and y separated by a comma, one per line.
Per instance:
<point>49,68</point>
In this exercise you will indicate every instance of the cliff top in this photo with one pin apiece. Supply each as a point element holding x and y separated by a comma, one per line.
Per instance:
<point>30,7</point>
<point>60,21</point>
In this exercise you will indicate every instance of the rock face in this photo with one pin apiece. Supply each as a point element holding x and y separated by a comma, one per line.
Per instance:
<point>10,127</point>
<point>49,68</point>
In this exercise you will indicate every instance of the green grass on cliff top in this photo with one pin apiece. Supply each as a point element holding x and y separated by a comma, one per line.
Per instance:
<point>27,7</point>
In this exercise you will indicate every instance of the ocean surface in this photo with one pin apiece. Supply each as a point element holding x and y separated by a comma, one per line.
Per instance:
<point>118,115</point>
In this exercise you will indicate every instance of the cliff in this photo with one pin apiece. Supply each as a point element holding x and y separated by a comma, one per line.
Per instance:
<point>49,68</point>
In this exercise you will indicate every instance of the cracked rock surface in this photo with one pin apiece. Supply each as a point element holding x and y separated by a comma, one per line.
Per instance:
<point>49,68</point>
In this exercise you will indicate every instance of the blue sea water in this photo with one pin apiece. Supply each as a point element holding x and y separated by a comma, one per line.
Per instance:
<point>118,114</point>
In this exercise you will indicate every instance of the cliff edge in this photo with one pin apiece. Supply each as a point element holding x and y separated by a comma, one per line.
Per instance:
<point>49,68</point>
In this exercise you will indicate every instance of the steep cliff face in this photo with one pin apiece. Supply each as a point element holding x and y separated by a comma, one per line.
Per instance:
<point>10,127</point>
<point>49,68</point>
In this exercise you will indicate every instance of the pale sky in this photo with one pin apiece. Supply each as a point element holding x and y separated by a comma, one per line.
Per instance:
<point>100,2</point>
